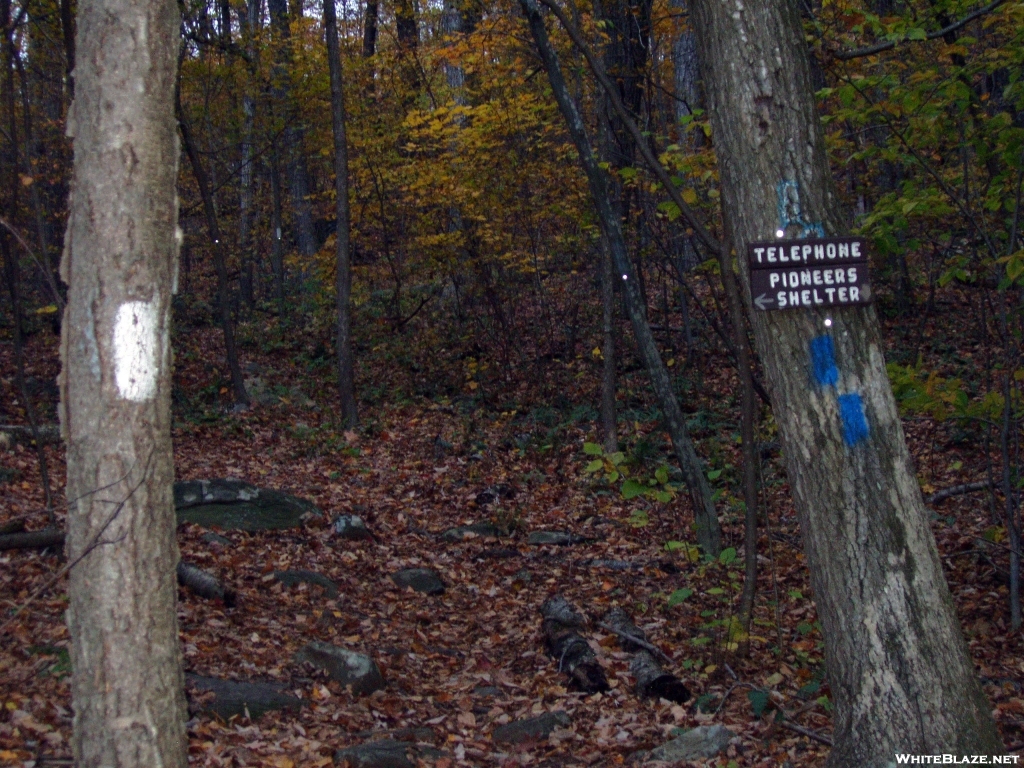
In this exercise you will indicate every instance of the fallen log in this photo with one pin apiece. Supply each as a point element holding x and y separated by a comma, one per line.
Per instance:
<point>564,643</point>
<point>48,433</point>
<point>652,682</point>
<point>47,537</point>
<point>204,584</point>
<point>958,490</point>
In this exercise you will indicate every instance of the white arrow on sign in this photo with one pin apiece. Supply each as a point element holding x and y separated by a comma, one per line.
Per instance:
<point>762,301</point>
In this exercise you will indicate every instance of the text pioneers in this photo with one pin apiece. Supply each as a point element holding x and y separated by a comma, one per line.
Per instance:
<point>796,274</point>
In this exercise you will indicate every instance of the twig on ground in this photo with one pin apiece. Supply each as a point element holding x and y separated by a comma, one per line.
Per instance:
<point>642,643</point>
<point>93,543</point>
<point>958,490</point>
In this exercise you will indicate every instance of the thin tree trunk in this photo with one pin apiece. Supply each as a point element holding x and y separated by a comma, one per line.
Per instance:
<point>897,664</point>
<point>609,418</point>
<point>708,529</point>
<point>11,268</point>
<point>46,265</point>
<point>343,278</point>
<point>67,26</point>
<point>119,261</point>
<point>370,29</point>
<point>277,252</point>
<point>219,260</point>
<point>294,138</point>
<point>250,25</point>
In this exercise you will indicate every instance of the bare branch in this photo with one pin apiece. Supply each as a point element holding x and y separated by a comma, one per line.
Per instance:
<point>890,44</point>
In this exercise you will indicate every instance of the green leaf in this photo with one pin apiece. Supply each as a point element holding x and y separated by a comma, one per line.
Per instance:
<point>714,474</point>
<point>661,474</point>
<point>639,519</point>
<point>593,449</point>
<point>674,546</point>
<point>663,496</point>
<point>595,466</point>
<point>679,596</point>
<point>616,458</point>
<point>613,476</point>
<point>758,701</point>
<point>631,489</point>
<point>804,628</point>
<point>728,555</point>
<point>716,591</point>
<point>916,33</point>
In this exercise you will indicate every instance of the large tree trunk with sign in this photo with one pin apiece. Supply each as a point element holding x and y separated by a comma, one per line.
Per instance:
<point>119,261</point>
<point>897,664</point>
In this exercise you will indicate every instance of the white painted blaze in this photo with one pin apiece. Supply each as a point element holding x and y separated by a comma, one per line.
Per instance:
<point>136,350</point>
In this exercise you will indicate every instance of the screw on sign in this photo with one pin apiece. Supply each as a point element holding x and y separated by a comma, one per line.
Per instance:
<point>803,274</point>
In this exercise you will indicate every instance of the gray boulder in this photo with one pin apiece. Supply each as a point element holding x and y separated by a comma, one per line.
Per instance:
<point>347,667</point>
<point>351,527</point>
<point>237,505</point>
<point>471,531</point>
<point>531,729</point>
<point>704,741</point>
<point>232,698</point>
<point>385,753</point>
<point>291,578</point>
<point>425,580</point>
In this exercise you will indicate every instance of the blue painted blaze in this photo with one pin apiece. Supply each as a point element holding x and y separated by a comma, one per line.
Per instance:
<point>855,422</point>
<point>823,361</point>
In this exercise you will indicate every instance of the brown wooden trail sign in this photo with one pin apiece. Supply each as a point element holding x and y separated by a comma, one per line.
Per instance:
<point>808,273</point>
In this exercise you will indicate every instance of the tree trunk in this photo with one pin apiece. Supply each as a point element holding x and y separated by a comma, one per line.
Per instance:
<point>293,138</point>
<point>897,664</point>
<point>609,417</point>
<point>250,25</point>
<point>370,29</point>
<point>119,261</point>
<point>277,251</point>
<point>343,278</point>
<point>219,261</point>
<point>408,34</point>
<point>67,27</point>
<point>706,519</point>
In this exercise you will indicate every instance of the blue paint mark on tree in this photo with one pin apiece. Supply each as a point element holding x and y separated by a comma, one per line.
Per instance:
<point>855,421</point>
<point>823,361</point>
<point>789,210</point>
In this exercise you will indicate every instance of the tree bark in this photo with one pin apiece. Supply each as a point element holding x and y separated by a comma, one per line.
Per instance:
<point>294,135</point>
<point>119,261</point>
<point>250,20</point>
<point>708,529</point>
<point>219,260</point>
<point>370,29</point>
<point>67,27</point>
<point>609,416</point>
<point>343,278</point>
<point>898,667</point>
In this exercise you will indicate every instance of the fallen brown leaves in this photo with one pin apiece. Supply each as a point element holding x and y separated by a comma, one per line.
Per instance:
<point>462,663</point>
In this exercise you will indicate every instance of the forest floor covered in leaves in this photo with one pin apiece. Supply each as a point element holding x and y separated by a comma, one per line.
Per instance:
<point>462,663</point>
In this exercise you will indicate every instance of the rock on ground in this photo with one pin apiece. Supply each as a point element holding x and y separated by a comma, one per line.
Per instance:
<point>347,667</point>
<point>386,753</point>
<point>705,741</point>
<point>351,527</point>
<point>291,578</point>
<point>425,580</point>
<point>531,729</point>
<point>233,698</point>
<point>471,531</point>
<point>236,505</point>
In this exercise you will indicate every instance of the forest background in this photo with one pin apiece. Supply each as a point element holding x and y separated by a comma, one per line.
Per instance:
<point>481,333</point>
